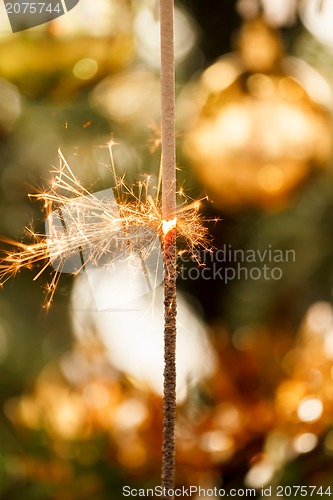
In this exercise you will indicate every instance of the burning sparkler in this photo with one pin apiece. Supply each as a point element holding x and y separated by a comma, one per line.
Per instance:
<point>99,230</point>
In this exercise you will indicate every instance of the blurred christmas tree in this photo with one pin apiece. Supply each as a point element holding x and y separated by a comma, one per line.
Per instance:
<point>81,408</point>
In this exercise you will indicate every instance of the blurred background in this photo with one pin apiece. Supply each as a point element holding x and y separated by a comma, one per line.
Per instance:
<point>80,388</point>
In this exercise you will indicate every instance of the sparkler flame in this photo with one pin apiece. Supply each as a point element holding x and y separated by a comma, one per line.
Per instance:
<point>97,230</point>
<point>168,225</point>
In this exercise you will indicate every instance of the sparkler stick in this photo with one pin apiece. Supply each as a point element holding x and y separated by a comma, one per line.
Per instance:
<point>169,241</point>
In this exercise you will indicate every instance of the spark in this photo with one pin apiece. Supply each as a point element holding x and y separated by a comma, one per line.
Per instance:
<point>101,228</point>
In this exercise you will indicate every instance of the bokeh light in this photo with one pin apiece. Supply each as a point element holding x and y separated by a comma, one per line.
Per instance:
<point>310,410</point>
<point>132,337</point>
<point>147,34</point>
<point>318,20</point>
<point>256,132</point>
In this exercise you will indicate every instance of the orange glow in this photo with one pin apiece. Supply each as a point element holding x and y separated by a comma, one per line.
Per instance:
<point>167,225</point>
<point>238,157</point>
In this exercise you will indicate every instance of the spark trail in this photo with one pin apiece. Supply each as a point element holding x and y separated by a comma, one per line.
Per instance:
<point>98,226</point>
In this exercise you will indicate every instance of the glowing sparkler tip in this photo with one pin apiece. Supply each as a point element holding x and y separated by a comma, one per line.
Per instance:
<point>167,225</point>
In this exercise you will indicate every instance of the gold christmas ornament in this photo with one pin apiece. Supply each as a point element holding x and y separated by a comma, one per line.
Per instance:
<point>257,122</point>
